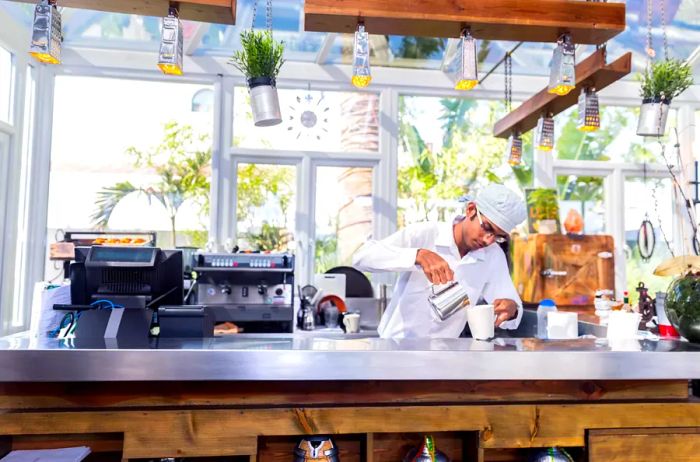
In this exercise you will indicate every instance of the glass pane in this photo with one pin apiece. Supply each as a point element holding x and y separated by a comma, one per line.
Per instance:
<point>392,50</point>
<point>585,195</point>
<point>344,218</point>
<point>113,30</point>
<point>23,204</point>
<point>616,140</point>
<point>130,155</point>
<point>6,83</point>
<point>311,121</point>
<point>439,163</point>
<point>652,200</point>
<point>266,206</point>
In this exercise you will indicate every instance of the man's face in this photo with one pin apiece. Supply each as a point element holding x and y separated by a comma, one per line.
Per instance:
<point>478,231</point>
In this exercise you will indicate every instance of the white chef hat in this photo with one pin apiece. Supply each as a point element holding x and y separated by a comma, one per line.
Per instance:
<point>503,207</point>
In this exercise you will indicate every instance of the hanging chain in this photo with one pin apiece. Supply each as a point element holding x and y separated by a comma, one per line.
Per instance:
<point>650,45</point>
<point>268,14</point>
<point>509,82</point>
<point>663,27</point>
<point>658,217</point>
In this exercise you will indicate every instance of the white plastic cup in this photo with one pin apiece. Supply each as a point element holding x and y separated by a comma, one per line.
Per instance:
<point>481,319</point>
<point>562,325</point>
<point>352,323</point>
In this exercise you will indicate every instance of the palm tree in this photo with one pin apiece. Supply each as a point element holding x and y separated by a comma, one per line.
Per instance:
<point>182,166</point>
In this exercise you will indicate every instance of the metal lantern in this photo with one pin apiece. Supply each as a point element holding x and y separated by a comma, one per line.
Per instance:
<point>361,74</point>
<point>562,77</point>
<point>588,111</point>
<point>171,38</point>
<point>46,33</point>
<point>514,151</point>
<point>544,133</point>
<point>467,76</point>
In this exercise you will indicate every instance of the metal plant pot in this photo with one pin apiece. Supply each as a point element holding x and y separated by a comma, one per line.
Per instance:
<point>652,117</point>
<point>264,102</point>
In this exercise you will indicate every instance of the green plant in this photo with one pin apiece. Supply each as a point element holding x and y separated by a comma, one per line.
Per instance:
<point>666,79</point>
<point>260,56</point>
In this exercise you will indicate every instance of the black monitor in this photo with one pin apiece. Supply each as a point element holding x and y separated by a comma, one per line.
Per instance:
<point>132,277</point>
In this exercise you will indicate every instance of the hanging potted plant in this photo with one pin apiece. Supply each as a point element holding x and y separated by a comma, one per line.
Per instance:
<point>661,82</point>
<point>260,60</point>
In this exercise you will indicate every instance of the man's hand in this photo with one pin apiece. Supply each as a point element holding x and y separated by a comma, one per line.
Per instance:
<point>434,266</point>
<point>504,309</point>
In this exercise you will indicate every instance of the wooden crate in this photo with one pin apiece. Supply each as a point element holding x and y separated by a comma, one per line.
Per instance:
<point>586,271</point>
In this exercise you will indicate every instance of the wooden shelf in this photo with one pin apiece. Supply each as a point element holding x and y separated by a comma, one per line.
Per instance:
<point>214,11</point>
<point>514,20</point>
<point>591,72</point>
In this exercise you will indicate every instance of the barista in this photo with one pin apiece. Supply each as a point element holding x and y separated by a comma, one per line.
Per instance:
<point>435,253</point>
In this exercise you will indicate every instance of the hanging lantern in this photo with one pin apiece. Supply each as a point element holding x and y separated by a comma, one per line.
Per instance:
<point>467,75</point>
<point>562,77</point>
<point>588,111</point>
<point>361,74</point>
<point>514,151</point>
<point>544,133</point>
<point>171,37</point>
<point>46,33</point>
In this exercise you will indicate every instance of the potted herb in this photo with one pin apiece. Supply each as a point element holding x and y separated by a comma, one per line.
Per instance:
<point>260,60</point>
<point>662,82</point>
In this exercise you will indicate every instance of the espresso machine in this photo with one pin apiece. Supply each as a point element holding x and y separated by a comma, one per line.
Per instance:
<point>255,291</point>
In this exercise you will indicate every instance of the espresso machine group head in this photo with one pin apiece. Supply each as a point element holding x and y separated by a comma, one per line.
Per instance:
<point>253,290</point>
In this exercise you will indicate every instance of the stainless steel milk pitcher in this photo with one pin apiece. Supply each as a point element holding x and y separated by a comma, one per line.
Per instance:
<point>448,300</point>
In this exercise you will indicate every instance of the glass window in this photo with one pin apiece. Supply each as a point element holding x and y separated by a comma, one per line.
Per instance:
<point>130,155</point>
<point>616,140</point>
<point>5,314</point>
<point>312,121</point>
<point>584,195</point>
<point>266,206</point>
<point>441,162</point>
<point>344,218</point>
<point>6,84</point>
<point>23,205</point>
<point>651,200</point>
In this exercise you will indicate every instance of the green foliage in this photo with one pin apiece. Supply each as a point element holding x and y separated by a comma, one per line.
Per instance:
<point>543,204</point>
<point>269,238</point>
<point>182,165</point>
<point>666,79</point>
<point>255,184</point>
<point>326,253</point>
<point>260,56</point>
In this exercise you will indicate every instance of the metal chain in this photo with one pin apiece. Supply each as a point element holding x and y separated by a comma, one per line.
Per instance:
<point>509,82</point>
<point>650,49</point>
<point>268,14</point>
<point>663,27</point>
<point>658,216</point>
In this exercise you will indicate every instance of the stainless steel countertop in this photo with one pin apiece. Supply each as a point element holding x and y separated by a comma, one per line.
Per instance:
<point>333,357</point>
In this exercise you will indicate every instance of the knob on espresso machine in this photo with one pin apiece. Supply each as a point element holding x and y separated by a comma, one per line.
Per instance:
<point>226,290</point>
<point>262,288</point>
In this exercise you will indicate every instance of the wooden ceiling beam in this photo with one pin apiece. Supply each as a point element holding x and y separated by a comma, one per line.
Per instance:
<point>591,72</point>
<point>515,20</point>
<point>212,11</point>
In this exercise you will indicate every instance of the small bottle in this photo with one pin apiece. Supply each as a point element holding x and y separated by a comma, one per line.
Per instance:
<point>154,329</point>
<point>546,305</point>
<point>626,302</point>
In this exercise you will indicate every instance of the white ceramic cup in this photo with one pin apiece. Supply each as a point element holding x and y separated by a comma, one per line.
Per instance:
<point>562,325</point>
<point>481,319</point>
<point>623,325</point>
<point>352,323</point>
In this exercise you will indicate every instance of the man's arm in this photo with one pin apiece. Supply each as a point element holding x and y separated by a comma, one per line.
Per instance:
<point>394,253</point>
<point>500,290</point>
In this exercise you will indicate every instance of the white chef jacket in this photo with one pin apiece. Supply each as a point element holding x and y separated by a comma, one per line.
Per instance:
<point>482,272</point>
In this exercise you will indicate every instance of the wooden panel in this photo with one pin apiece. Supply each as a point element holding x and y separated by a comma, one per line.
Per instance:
<point>281,448</point>
<point>501,426</point>
<point>159,441</point>
<point>515,20</point>
<point>642,445</point>
<point>391,447</point>
<point>591,72</point>
<point>246,394</point>
<point>215,11</point>
<point>578,256</point>
<point>110,442</point>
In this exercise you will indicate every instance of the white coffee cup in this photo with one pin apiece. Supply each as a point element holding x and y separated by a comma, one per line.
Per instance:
<point>623,325</point>
<point>352,322</point>
<point>481,319</point>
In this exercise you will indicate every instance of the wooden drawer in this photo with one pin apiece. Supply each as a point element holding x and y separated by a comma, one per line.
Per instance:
<point>644,444</point>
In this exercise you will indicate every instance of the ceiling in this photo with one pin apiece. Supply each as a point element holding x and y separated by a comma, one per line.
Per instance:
<point>83,28</point>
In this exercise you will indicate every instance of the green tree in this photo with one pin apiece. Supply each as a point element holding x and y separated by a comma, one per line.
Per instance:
<point>181,161</point>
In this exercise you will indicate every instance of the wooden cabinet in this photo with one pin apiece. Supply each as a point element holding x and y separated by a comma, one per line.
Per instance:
<point>567,269</point>
<point>644,444</point>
